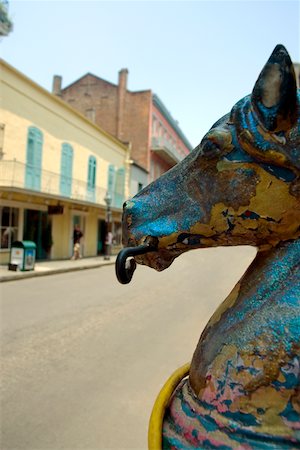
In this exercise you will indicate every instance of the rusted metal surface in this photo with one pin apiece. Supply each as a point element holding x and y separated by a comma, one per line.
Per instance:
<point>241,185</point>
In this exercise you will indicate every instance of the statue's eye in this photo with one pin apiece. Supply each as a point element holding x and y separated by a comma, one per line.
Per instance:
<point>210,149</point>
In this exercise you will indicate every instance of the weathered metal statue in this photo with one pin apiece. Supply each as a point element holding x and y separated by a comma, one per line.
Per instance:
<point>241,185</point>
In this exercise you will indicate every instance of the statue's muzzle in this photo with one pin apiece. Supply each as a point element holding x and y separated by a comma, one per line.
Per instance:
<point>126,267</point>
<point>134,246</point>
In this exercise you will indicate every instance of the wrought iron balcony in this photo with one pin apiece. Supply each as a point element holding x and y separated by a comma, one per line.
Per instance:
<point>14,174</point>
<point>166,150</point>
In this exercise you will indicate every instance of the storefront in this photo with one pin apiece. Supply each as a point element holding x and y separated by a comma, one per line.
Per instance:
<point>50,227</point>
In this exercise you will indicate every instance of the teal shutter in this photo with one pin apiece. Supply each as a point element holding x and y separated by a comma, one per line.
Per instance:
<point>91,184</point>
<point>34,159</point>
<point>66,170</point>
<point>120,187</point>
<point>111,182</point>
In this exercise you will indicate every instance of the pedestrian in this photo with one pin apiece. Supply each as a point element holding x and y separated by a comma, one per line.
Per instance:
<point>77,235</point>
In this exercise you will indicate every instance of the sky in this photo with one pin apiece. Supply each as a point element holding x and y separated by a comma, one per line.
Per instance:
<point>199,57</point>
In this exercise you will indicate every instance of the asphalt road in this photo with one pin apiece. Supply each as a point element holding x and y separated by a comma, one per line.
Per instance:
<point>83,357</point>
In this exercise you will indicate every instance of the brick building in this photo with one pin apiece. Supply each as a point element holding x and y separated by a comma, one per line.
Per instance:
<point>139,118</point>
<point>56,169</point>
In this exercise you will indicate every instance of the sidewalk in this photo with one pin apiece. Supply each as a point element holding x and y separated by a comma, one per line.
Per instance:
<point>54,267</point>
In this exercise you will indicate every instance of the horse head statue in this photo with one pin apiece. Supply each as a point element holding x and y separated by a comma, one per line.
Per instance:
<point>239,186</point>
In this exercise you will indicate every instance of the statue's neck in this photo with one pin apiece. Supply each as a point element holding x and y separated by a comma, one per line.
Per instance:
<point>276,266</point>
<point>272,276</point>
<point>260,312</point>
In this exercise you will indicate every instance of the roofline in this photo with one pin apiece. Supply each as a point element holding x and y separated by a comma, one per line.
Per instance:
<point>140,167</point>
<point>88,74</point>
<point>139,92</point>
<point>61,103</point>
<point>159,104</point>
<point>102,79</point>
<point>156,101</point>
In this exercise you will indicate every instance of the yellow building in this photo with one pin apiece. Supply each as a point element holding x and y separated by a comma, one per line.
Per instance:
<point>56,168</point>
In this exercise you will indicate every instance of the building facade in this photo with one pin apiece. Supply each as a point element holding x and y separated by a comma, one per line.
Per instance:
<point>139,118</point>
<point>56,169</point>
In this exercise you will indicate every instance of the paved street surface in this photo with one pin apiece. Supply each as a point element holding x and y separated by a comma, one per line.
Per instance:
<point>43,268</point>
<point>83,357</point>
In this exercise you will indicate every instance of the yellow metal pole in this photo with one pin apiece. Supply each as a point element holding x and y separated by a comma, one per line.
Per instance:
<point>160,405</point>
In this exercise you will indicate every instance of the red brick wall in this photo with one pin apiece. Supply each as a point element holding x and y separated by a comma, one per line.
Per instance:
<point>124,114</point>
<point>92,93</point>
<point>136,125</point>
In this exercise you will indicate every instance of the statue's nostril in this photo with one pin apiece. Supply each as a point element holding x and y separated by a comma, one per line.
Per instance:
<point>151,241</point>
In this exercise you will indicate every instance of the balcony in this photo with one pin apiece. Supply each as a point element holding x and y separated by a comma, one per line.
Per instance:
<point>166,150</point>
<point>13,174</point>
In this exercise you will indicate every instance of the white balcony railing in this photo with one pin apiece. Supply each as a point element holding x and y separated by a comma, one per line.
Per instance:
<point>13,174</point>
<point>166,150</point>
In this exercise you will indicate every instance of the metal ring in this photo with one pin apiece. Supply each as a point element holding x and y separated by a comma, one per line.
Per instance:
<point>123,273</point>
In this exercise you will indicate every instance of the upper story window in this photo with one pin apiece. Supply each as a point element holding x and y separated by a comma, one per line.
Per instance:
<point>90,113</point>
<point>91,179</point>
<point>2,128</point>
<point>34,158</point>
<point>111,179</point>
<point>154,126</point>
<point>120,187</point>
<point>66,169</point>
<point>116,185</point>
<point>160,130</point>
<point>152,174</point>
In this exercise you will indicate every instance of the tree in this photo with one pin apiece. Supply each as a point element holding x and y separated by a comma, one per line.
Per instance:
<point>6,25</point>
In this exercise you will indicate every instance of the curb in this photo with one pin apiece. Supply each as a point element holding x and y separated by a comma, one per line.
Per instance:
<point>33,274</point>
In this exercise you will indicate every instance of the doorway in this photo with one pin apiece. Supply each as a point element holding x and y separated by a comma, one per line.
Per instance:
<point>101,236</point>
<point>38,229</point>
<point>78,219</point>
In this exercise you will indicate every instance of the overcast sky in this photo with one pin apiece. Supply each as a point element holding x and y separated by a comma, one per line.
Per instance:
<point>199,57</point>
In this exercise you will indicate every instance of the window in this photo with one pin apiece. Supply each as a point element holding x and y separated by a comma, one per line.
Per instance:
<point>140,186</point>
<point>34,159</point>
<point>2,128</point>
<point>119,188</point>
<point>154,126</point>
<point>9,218</point>
<point>152,171</point>
<point>111,181</point>
<point>66,169</point>
<point>116,185</point>
<point>90,114</point>
<point>91,184</point>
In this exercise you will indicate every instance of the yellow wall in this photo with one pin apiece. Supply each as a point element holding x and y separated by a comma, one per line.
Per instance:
<point>91,228</point>
<point>26,104</point>
<point>61,235</point>
<point>4,256</point>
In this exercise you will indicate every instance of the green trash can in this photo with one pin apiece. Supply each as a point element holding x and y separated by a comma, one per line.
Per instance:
<point>22,256</point>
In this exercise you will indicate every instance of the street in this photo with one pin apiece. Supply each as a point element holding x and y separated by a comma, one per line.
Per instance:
<point>83,357</point>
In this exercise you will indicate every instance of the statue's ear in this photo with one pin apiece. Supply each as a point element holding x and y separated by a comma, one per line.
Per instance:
<point>274,97</point>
